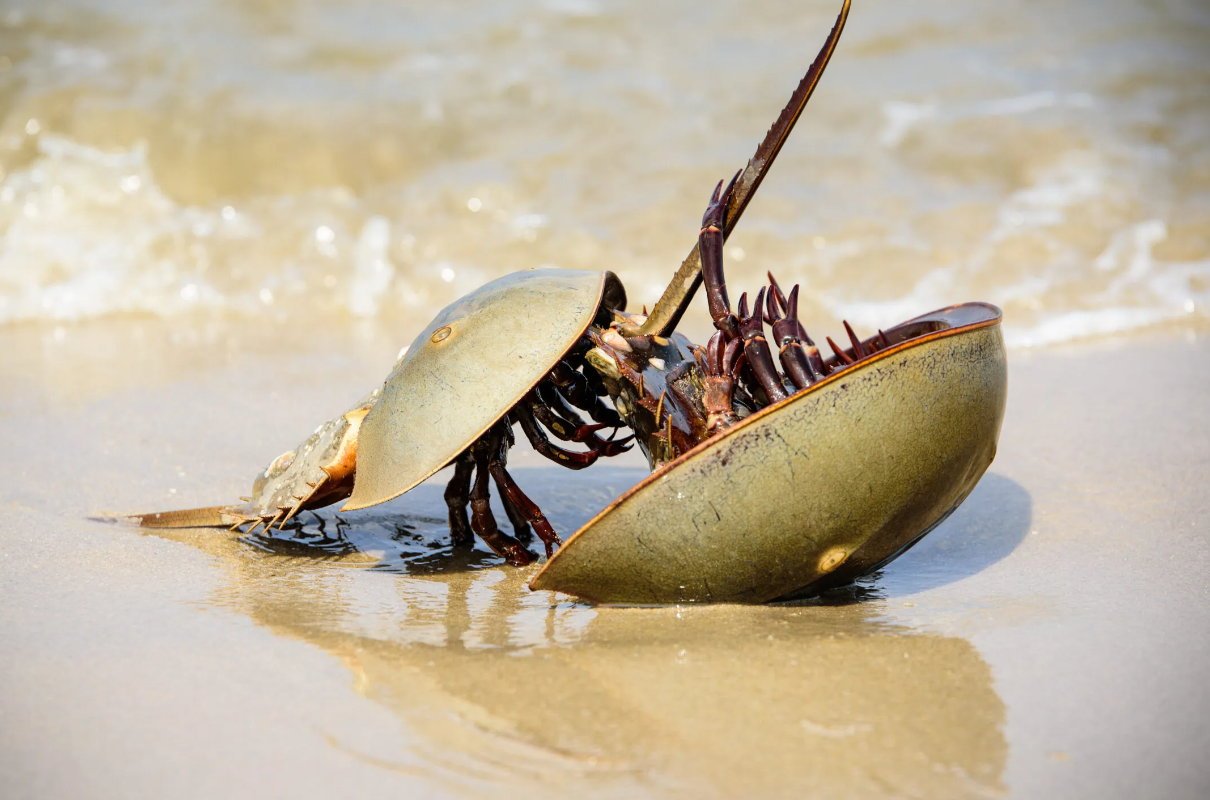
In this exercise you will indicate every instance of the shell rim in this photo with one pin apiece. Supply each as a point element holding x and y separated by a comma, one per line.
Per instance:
<point>996,318</point>
<point>603,281</point>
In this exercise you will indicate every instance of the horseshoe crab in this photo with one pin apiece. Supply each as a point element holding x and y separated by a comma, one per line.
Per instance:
<point>764,484</point>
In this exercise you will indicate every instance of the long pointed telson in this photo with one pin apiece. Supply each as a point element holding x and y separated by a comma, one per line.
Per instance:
<point>671,306</point>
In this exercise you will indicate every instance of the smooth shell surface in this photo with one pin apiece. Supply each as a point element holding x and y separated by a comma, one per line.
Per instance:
<point>813,492</point>
<point>466,370</point>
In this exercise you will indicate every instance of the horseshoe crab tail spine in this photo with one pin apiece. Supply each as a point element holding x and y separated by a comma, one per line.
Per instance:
<point>209,517</point>
<point>684,284</point>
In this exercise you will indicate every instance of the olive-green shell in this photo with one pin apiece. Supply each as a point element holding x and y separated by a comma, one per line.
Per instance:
<point>815,491</point>
<point>466,370</point>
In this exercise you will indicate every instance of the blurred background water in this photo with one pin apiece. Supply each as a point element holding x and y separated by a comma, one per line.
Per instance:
<point>316,162</point>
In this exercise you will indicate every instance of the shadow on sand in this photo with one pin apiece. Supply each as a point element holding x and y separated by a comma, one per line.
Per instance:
<point>985,529</point>
<point>410,536</point>
<point>513,693</point>
<point>525,694</point>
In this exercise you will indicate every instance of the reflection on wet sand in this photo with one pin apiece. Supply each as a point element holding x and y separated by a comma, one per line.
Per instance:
<point>522,690</point>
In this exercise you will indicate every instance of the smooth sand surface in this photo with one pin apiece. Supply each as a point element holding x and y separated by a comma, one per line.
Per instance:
<point>1049,640</point>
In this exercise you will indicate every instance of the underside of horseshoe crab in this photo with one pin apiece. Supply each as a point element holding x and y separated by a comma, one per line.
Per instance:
<point>812,491</point>
<point>777,469</point>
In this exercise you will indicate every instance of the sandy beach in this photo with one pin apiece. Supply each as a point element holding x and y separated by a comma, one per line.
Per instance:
<point>220,222</point>
<point>1044,642</point>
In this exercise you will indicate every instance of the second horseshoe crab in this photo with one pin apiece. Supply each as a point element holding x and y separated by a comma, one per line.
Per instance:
<point>764,484</point>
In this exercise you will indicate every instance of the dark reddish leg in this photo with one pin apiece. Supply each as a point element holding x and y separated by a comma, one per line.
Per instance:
<point>518,520</point>
<point>549,394</point>
<point>756,348</point>
<point>719,364</point>
<point>512,495</point>
<point>775,292</point>
<point>482,521</point>
<point>521,529</point>
<point>575,388</point>
<point>710,247</point>
<point>789,307</point>
<point>801,363</point>
<point>457,495</point>
<point>557,424</point>
<point>537,439</point>
<point>585,434</point>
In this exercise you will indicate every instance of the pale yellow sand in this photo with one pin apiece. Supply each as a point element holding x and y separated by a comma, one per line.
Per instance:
<point>1047,641</point>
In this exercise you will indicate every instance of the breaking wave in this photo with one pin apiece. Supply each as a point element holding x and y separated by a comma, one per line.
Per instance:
<point>352,168</point>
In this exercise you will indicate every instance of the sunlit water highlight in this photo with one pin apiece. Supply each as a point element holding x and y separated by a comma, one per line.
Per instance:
<point>331,161</point>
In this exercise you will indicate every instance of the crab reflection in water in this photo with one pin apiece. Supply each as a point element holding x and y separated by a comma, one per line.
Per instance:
<point>512,689</point>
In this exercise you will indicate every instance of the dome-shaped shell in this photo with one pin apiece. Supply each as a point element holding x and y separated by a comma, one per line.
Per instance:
<point>815,491</point>
<point>467,369</point>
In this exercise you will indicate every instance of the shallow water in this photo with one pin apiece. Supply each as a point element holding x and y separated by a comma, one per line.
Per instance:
<point>1045,641</point>
<point>320,161</point>
<point>219,222</point>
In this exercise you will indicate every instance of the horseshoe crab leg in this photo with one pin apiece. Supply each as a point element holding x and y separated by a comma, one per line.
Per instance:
<point>457,495</point>
<point>785,306</point>
<point>710,245</point>
<point>557,424</point>
<point>684,284</point>
<point>719,365</point>
<point>795,358</point>
<point>591,377</point>
<point>794,331</point>
<point>521,530</point>
<point>485,451</point>
<point>550,396</point>
<point>756,348</point>
<point>598,447</point>
<point>517,517</point>
<point>527,509</point>
<point>575,389</point>
<point>540,443</point>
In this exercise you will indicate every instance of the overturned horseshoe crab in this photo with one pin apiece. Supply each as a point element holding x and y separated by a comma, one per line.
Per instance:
<point>764,484</point>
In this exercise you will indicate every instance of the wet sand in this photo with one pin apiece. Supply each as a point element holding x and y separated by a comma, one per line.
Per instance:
<point>1046,641</point>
